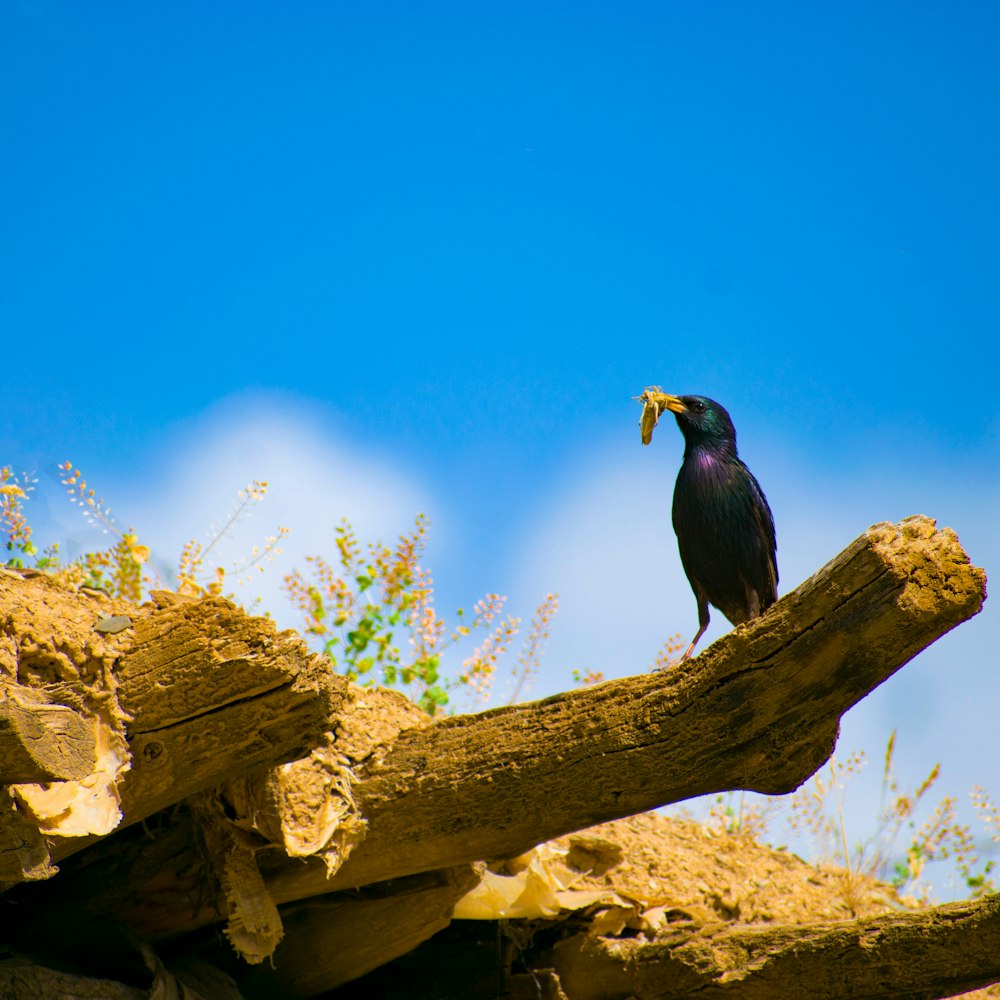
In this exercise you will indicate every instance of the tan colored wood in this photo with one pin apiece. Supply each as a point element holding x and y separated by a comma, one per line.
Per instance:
<point>758,710</point>
<point>337,938</point>
<point>212,692</point>
<point>42,742</point>
<point>200,691</point>
<point>939,952</point>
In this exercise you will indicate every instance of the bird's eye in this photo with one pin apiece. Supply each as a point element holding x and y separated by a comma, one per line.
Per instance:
<point>698,406</point>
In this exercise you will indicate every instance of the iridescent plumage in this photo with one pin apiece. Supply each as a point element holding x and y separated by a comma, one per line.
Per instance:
<point>724,526</point>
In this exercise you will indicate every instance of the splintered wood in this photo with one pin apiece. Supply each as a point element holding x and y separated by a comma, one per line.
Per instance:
<point>114,712</point>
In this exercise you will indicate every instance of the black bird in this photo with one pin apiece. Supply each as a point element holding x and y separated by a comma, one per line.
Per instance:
<point>725,530</point>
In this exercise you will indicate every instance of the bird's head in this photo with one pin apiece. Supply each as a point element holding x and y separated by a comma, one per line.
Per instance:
<point>702,421</point>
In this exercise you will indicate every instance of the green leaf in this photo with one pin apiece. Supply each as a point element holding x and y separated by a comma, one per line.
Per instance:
<point>363,666</point>
<point>432,699</point>
<point>363,581</point>
<point>358,640</point>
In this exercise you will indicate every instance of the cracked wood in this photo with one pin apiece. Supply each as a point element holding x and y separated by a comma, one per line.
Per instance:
<point>41,742</point>
<point>939,952</point>
<point>758,710</point>
<point>201,691</point>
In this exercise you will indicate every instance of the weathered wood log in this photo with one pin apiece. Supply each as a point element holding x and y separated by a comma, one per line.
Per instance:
<point>342,936</point>
<point>212,692</point>
<point>938,952</point>
<point>758,710</point>
<point>23,978</point>
<point>24,854</point>
<point>201,691</point>
<point>43,742</point>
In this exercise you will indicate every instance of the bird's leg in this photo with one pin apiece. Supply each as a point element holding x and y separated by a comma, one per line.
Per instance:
<point>703,619</point>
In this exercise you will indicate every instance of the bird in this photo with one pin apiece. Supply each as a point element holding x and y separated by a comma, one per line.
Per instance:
<point>724,526</point>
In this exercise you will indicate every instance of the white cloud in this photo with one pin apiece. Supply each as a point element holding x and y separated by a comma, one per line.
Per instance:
<point>314,480</point>
<point>603,540</point>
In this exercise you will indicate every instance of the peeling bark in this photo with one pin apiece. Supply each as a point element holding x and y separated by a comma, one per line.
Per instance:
<point>338,938</point>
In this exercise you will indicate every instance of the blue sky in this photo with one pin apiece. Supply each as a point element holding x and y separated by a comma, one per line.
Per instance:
<point>397,257</point>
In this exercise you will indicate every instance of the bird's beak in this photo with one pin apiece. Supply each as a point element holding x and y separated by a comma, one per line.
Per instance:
<point>654,402</point>
<point>673,403</point>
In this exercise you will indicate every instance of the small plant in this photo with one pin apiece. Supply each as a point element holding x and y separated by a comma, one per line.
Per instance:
<point>942,837</point>
<point>819,809</point>
<point>124,568</point>
<point>117,570</point>
<point>666,658</point>
<point>740,815</point>
<point>195,579</point>
<point>14,491</point>
<point>534,645</point>
<point>374,613</point>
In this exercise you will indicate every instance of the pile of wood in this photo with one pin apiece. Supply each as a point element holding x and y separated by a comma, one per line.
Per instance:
<point>195,806</point>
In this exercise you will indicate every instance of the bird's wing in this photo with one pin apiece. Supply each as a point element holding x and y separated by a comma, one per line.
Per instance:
<point>725,534</point>
<point>767,586</point>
